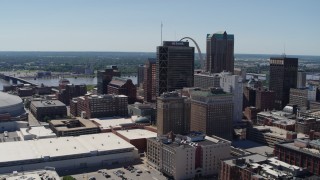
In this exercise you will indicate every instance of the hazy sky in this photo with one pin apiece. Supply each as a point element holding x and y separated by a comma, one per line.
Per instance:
<point>259,27</point>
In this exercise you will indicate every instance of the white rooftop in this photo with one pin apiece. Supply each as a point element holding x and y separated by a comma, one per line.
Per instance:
<point>107,123</point>
<point>62,146</point>
<point>137,133</point>
<point>37,132</point>
<point>31,175</point>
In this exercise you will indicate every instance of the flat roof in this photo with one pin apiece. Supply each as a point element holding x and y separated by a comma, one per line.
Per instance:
<point>252,147</point>
<point>107,123</point>
<point>62,146</point>
<point>47,103</point>
<point>137,133</point>
<point>61,124</point>
<point>34,175</point>
<point>253,158</point>
<point>39,131</point>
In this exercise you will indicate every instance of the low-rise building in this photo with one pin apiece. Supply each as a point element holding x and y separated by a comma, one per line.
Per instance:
<point>66,153</point>
<point>49,108</point>
<point>257,167</point>
<point>136,137</point>
<point>187,157</point>
<point>93,106</point>
<point>145,110</point>
<point>125,87</point>
<point>73,127</point>
<point>48,173</point>
<point>270,135</point>
<point>302,152</point>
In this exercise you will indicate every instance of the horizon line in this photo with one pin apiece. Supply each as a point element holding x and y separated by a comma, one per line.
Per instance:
<point>76,51</point>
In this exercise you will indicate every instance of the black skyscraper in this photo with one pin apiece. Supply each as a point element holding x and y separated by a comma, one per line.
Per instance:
<point>175,66</point>
<point>283,76</point>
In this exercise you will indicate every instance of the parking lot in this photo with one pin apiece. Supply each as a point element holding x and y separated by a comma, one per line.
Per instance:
<point>140,172</point>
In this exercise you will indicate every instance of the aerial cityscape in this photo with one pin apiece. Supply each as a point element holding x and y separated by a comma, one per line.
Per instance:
<point>159,90</point>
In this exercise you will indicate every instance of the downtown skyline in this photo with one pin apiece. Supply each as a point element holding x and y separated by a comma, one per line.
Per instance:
<point>260,28</point>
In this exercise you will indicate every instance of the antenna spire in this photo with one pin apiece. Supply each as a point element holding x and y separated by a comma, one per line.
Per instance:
<point>161,32</point>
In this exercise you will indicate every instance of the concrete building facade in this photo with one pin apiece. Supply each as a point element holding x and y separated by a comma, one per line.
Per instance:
<point>187,157</point>
<point>233,84</point>
<point>212,112</point>
<point>173,114</point>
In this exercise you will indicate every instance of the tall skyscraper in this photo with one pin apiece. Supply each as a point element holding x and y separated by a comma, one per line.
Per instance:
<point>140,74</point>
<point>220,52</point>
<point>173,113</point>
<point>175,66</point>
<point>212,112</point>
<point>283,76</point>
<point>233,84</point>
<point>149,83</point>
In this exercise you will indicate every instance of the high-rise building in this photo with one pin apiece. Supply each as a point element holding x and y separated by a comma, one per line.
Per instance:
<point>212,112</point>
<point>173,113</point>
<point>175,66</point>
<point>140,74</point>
<point>105,77</point>
<point>301,79</point>
<point>220,52</point>
<point>233,84</point>
<point>206,80</point>
<point>149,83</point>
<point>283,76</point>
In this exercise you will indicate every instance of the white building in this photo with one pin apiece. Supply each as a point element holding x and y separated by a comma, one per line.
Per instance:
<point>233,84</point>
<point>65,152</point>
<point>48,174</point>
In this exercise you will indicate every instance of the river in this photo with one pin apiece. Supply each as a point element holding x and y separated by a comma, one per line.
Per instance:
<point>55,81</point>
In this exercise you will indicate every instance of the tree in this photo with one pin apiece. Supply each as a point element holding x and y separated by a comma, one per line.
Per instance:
<point>68,178</point>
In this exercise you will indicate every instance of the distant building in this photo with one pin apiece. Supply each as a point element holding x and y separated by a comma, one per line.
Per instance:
<point>121,86</point>
<point>187,157</point>
<point>149,83</point>
<point>105,77</point>
<point>233,84</point>
<point>73,127</point>
<point>212,112</point>
<point>283,76</point>
<point>206,80</point>
<point>71,91</point>
<point>220,52</point>
<point>299,97</point>
<point>175,66</point>
<point>240,72</point>
<point>301,79</point>
<point>91,106</point>
<point>173,114</point>
<point>25,91</point>
<point>63,83</point>
<point>140,74</point>
<point>50,108</point>
<point>264,99</point>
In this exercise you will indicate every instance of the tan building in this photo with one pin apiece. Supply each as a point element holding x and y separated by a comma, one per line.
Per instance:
<point>173,113</point>
<point>187,157</point>
<point>73,127</point>
<point>212,112</point>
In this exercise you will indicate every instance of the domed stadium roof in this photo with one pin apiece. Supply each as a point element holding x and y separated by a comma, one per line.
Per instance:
<point>11,104</point>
